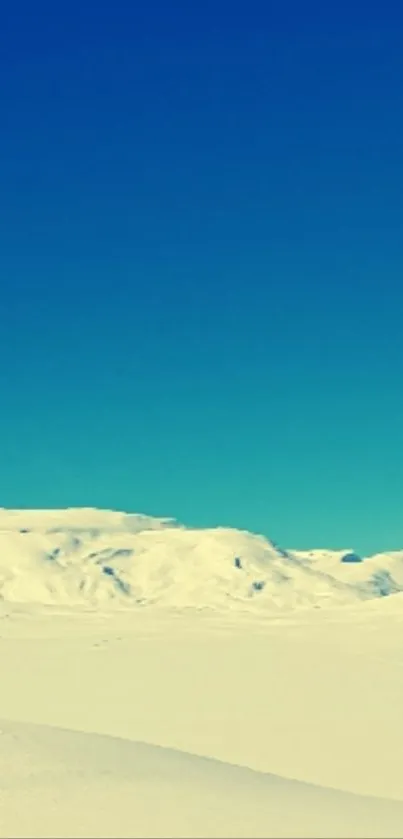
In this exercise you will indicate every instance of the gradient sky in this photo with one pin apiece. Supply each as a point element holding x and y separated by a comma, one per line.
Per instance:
<point>201,264</point>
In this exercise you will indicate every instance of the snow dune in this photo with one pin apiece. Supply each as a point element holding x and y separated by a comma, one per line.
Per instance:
<point>66,784</point>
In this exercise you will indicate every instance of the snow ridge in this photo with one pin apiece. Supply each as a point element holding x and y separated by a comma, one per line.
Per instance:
<point>96,558</point>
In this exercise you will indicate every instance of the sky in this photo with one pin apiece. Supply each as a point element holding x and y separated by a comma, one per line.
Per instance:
<point>201,259</point>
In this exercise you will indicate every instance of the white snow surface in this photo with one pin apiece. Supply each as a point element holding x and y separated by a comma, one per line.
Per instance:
<point>73,784</point>
<point>247,717</point>
<point>93,558</point>
<point>149,723</point>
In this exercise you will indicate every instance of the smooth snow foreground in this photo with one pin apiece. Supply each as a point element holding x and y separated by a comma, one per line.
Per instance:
<point>60,783</point>
<point>315,699</point>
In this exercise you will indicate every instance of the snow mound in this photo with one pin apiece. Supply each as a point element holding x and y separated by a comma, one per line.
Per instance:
<point>89,785</point>
<point>95,558</point>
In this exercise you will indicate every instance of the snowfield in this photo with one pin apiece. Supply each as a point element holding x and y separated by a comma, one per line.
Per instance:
<point>80,785</point>
<point>207,684</point>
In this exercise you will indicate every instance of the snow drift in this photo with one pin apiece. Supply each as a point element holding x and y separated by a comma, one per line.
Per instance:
<point>83,785</point>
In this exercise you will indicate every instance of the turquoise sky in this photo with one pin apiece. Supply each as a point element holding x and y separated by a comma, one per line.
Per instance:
<point>201,264</point>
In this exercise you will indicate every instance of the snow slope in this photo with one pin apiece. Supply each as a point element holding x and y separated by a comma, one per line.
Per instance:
<point>57,783</point>
<point>310,696</point>
<point>94,558</point>
<point>382,573</point>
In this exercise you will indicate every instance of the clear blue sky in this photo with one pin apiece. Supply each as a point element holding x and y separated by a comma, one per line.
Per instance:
<point>201,259</point>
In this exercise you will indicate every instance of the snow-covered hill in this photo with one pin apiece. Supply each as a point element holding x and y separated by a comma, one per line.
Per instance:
<point>98,558</point>
<point>382,573</point>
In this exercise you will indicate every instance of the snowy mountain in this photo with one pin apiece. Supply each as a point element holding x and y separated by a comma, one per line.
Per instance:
<point>381,574</point>
<point>96,558</point>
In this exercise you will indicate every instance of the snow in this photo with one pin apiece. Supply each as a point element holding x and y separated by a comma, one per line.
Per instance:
<point>83,785</point>
<point>94,557</point>
<point>136,714</point>
<point>388,565</point>
<point>79,518</point>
